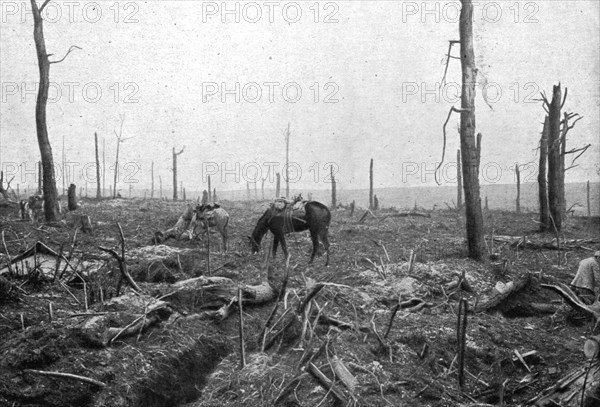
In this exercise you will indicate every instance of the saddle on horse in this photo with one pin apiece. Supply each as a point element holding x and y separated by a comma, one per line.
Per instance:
<point>290,209</point>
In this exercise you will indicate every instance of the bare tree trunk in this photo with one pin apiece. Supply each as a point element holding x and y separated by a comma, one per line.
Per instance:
<point>333,190</point>
<point>459,189</point>
<point>542,182</point>
<point>64,188</point>
<point>40,179</point>
<point>215,194</point>
<point>255,191</point>
<point>518,201</point>
<point>262,188</point>
<point>184,197</point>
<point>278,185</point>
<point>103,165</point>
<point>287,162</point>
<point>555,176</point>
<point>175,172</point>
<point>98,191</point>
<point>469,146</point>
<point>352,206</point>
<point>248,190</point>
<point>210,198</point>
<point>159,187</point>
<point>371,185</point>
<point>152,176</point>
<point>49,183</point>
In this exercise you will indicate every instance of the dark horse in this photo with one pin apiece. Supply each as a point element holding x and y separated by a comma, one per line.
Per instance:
<point>316,220</point>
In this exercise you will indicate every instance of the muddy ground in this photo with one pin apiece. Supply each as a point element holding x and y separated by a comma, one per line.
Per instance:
<point>190,359</point>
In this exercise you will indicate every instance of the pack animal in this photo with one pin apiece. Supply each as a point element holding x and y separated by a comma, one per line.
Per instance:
<point>316,218</point>
<point>32,208</point>
<point>216,217</point>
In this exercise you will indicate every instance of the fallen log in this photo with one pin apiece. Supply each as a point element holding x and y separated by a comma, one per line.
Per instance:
<point>405,215</point>
<point>573,300</point>
<point>523,242</point>
<point>500,293</point>
<point>180,229</point>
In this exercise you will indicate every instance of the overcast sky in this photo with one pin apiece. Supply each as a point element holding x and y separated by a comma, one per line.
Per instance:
<point>224,83</point>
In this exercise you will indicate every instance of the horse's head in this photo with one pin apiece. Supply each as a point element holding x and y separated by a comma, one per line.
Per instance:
<point>254,246</point>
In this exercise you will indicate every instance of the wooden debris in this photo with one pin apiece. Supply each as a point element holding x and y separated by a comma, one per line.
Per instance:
<point>66,376</point>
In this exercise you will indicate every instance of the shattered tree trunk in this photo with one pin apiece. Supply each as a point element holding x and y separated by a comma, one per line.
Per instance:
<point>459,186</point>
<point>287,162</point>
<point>518,201</point>
<point>210,197</point>
<point>103,166</point>
<point>72,197</point>
<point>278,185</point>
<point>175,172</point>
<point>556,186</point>
<point>98,191</point>
<point>469,146</point>
<point>49,184</point>
<point>542,182</point>
<point>371,185</point>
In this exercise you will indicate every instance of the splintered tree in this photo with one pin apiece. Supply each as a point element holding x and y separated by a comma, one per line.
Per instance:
<point>175,154</point>
<point>120,140</point>
<point>371,185</point>
<point>277,185</point>
<point>470,146</point>
<point>49,183</point>
<point>287,161</point>
<point>542,182</point>
<point>556,154</point>
<point>98,191</point>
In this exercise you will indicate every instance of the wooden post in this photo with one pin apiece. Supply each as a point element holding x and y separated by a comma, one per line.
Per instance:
<point>371,185</point>
<point>98,191</point>
<point>459,187</point>
<point>518,173</point>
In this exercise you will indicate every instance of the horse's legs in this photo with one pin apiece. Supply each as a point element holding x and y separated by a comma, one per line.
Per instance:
<point>283,247</point>
<point>325,239</point>
<point>224,235</point>
<point>314,236</point>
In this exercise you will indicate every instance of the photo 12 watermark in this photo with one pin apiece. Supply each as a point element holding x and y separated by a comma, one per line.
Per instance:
<point>288,12</point>
<point>517,12</point>
<point>54,12</point>
<point>71,92</point>
<point>269,92</point>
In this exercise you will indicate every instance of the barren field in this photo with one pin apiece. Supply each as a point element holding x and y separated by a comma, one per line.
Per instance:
<point>382,328</point>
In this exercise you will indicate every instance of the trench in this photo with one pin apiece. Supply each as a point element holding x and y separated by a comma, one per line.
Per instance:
<point>180,378</point>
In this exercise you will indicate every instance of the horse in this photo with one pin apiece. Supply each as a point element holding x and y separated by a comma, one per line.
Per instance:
<point>316,219</point>
<point>216,217</point>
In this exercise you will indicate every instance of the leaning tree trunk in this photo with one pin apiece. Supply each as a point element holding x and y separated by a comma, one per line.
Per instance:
<point>469,146</point>
<point>542,182</point>
<point>98,190</point>
<point>555,176</point>
<point>49,184</point>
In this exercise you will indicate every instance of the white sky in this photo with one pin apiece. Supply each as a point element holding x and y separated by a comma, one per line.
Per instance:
<point>372,56</point>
